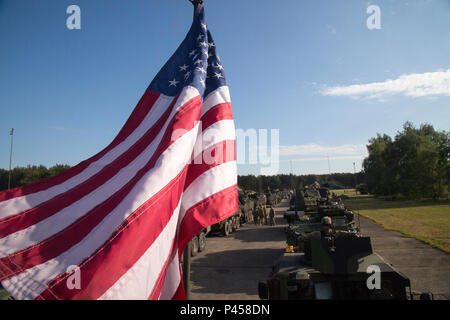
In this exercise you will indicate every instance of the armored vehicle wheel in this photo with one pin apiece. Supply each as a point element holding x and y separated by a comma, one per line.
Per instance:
<point>194,247</point>
<point>230,226</point>
<point>226,228</point>
<point>201,242</point>
<point>238,222</point>
<point>233,224</point>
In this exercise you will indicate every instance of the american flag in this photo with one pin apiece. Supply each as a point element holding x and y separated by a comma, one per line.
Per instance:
<point>122,218</point>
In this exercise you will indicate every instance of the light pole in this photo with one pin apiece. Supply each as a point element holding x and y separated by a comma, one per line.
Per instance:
<point>11,133</point>
<point>354,173</point>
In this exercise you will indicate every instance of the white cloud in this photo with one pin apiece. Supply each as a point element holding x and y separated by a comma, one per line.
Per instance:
<point>412,85</point>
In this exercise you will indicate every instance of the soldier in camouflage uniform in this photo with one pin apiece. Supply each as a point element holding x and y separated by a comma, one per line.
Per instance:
<point>327,232</point>
<point>255,214</point>
<point>261,215</point>
<point>272,216</point>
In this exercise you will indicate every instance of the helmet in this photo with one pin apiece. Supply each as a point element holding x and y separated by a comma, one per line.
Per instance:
<point>326,221</point>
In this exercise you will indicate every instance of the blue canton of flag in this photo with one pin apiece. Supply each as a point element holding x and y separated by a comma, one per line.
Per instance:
<point>195,63</point>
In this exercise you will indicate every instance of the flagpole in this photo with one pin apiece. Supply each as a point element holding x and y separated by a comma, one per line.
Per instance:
<point>186,270</point>
<point>11,133</point>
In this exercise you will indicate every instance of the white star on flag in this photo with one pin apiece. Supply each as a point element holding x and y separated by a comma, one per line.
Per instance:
<point>201,69</point>
<point>173,82</point>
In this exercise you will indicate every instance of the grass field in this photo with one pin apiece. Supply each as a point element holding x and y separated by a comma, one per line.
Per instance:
<point>428,221</point>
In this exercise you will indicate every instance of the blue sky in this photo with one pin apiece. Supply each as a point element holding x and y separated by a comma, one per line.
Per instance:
<point>311,69</point>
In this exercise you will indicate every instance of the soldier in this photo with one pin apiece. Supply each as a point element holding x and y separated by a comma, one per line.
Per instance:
<point>327,232</point>
<point>272,216</point>
<point>255,214</point>
<point>341,204</point>
<point>261,216</point>
<point>266,215</point>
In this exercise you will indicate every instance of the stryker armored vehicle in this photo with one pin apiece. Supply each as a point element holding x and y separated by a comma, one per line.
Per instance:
<point>342,271</point>
<point>305,200</point>
<point>273,197</point>
<point>303,223</point>
<point>324,194</point>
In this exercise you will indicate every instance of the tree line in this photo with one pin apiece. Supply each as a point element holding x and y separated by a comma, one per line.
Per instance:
<point>25,175</point>
<point>415,164</point>
<point>290,181</point>
<point>32,173</point>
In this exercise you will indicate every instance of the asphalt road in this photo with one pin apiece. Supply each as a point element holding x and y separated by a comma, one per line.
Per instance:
<point>427,268</point>
<point>231,267</point>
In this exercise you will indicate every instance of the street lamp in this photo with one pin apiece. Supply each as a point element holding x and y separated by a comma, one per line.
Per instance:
<point>11,133</point>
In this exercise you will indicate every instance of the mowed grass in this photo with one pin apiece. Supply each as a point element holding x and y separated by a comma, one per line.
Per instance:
<point>425,220</point>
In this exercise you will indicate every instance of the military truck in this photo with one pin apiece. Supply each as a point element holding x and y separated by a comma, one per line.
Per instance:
<point>338,272</point>
<point>229,225</point>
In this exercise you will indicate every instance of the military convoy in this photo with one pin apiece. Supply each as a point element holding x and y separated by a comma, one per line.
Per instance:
<point>338,272</point>
<point>327,258</point>
<point>247,200</point>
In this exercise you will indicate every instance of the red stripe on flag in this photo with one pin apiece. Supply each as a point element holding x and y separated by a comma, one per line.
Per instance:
<point>210,158</point>
<point>143,107</point>
<point>209,211</point>
<point>45,210</point>
<point>219,112</point>
<point>101,270</point>
<point>52,247</point>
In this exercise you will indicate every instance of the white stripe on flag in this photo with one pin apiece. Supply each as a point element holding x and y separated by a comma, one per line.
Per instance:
<point>208,183</point>
<point>171,162</point>
<point>218,96</point>
<point>19,204</point>
<point>220,131</point>
<point>57,222</point>
<point>173,278</point>
<point>137,283</point>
